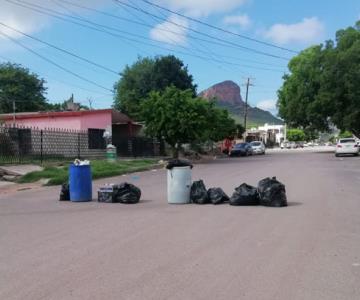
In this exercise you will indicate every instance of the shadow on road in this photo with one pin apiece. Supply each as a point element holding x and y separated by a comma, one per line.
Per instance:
<point>294,203</point>
<point>145,201</point>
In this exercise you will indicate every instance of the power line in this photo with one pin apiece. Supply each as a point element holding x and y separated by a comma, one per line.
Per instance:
<point>204,34</point>
<point>219,28</point>
<point>208,52</point>
<point>53,63</point>
<point>139,22</point>
<point>62,50</point>
<point>60,81</point>
<point>45,11</point>
<point>56,15</point>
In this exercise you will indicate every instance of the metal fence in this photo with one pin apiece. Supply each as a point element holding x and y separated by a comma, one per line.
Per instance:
<point>21,145</point>
<point>138,147</point>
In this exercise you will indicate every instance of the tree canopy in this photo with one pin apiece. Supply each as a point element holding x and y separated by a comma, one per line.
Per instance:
<point>177,117</point>
<point>322,87</point>
<point>295,135</point>
<point>20,85</point>
<point>146,75</point>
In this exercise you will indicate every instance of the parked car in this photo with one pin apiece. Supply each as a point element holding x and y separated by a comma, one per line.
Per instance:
<point>258,147</point>
<point>241,149</point>
<point>292,145</point>
<point>346,146</point>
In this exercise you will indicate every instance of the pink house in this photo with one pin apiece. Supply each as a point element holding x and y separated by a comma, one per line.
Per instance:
<point>102,119</point>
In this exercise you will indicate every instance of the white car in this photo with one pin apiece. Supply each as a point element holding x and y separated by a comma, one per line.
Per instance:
<point>258,147</point>
<point>347,146</point>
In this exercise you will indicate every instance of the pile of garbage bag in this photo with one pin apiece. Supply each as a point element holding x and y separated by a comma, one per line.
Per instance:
<point>65,192</point>
<point>200,195</point>
<point>269,192</point>
<point>217,196</point>
<point>245,195</point>
<point>126,193</point>
<point>272,192</point>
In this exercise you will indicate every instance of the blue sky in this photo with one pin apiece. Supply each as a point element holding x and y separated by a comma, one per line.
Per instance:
<point>293,25</point>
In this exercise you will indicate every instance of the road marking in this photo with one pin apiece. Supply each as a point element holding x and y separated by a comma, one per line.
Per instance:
<point>356,264</point>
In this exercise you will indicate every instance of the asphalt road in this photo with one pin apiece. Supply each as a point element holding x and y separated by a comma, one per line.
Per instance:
<point>152,250</point>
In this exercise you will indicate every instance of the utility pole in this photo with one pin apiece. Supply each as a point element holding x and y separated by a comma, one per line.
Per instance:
<point>246,102</point>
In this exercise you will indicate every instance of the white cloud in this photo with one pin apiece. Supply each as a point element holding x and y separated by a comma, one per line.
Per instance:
<point>241,20</point>
<point>307,31</point>
<point>170,33</point>
<point>202,7</point>
<point>29,21</point>
<point>269,105</point>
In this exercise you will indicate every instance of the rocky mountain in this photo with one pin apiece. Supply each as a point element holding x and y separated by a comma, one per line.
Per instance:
<point>227,94</point>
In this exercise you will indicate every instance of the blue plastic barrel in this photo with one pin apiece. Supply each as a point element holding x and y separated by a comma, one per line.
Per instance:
<point>80,183</point>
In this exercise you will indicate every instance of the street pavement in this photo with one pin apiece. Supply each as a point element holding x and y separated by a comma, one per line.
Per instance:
<point>153,250</point>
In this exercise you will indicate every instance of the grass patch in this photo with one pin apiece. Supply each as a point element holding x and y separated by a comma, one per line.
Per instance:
<point>99,168</point>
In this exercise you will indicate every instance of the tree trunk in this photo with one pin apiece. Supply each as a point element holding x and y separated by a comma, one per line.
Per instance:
<point>176,150</point>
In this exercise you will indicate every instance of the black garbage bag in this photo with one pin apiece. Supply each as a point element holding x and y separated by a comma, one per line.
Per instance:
<point>245,195</point>
<point>126,193</point>
<point>178,163</point>
<point>198,193</point>
<point>272,192</point>
<point>65,192</point>
<point>217,196</point>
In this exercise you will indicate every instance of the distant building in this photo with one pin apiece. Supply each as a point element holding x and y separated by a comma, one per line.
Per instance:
<point>269,134</point>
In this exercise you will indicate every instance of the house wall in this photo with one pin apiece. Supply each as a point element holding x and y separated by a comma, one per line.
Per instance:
<point>72,122</point>
<point>99,120</point>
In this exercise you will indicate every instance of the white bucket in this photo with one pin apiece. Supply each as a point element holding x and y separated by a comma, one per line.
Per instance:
<point>178,185</point>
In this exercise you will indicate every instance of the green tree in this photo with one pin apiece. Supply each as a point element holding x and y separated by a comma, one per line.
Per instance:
<point>146,75</point>
<point>20,85</point>
<point>340,81</point>
<point>345,134</point>
<point>135,84</point>
<point>177,117</point>
<point>310,134</point>
<point>322,86</point>
<point>220,124</point>
<point>295,135</point>
<point>240,130</point>
<point>296,98</point>
<point>170,70</point>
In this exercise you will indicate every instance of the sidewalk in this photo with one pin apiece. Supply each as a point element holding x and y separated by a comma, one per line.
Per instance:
<point>19,170</point>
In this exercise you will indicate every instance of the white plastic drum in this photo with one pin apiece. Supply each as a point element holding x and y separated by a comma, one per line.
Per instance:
<point>178,185</point>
